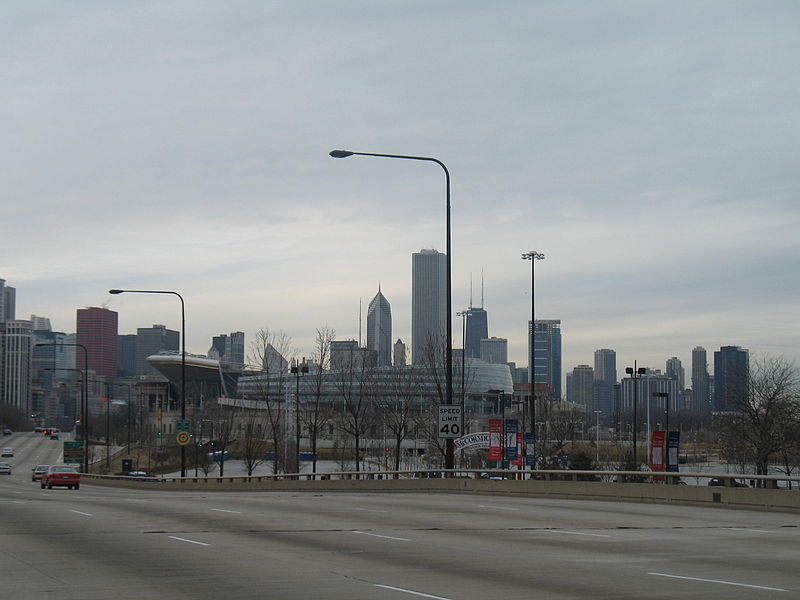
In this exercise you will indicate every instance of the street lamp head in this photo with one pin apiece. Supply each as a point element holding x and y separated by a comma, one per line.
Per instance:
<point>532,255</point>
<point>115,291</point>
<point>629,370</point>
<point>341,153</point>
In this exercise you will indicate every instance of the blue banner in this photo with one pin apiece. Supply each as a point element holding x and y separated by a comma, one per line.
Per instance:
<point>512,426</point>
<point>673,444</point>
<point>530,450</point>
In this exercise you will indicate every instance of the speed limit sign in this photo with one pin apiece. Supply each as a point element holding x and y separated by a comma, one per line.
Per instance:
<point>183,438</point>
<point>449,422</point>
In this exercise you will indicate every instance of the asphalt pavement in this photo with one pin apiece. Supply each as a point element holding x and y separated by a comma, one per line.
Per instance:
<point>100,543</point>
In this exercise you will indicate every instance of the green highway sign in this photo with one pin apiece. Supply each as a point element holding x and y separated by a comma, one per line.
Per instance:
<point>183,425</point>
<point>73,452</point>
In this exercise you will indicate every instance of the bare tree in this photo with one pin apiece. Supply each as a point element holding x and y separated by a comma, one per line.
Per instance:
<point>398,411</point>
<point>268,353</point>
<point>315,415</point>
<point>765,418</point>
<point>353,383</point>
<point>252,442</point>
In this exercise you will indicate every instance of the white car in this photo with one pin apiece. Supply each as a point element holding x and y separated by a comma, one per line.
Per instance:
<point>7,452</point>
<point>5,468</point>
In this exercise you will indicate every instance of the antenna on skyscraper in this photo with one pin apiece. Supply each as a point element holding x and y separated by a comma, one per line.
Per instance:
<point>470,290</point>
<point>481,288</point>
<point>359,322</point>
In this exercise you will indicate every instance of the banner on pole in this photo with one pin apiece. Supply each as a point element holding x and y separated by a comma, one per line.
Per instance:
<point>512,427</point>
<point>673,446</point>
<point>495,441</point>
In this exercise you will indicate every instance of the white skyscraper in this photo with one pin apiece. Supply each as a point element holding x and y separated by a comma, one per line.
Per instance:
<point>379,329</point>
<point>428,305</point>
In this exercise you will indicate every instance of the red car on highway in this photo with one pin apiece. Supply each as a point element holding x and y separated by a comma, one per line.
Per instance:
<point>61,475</point>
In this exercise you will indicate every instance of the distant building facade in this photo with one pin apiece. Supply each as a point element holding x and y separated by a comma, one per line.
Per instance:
<point>428,305</point>
<point>152,340</point>
<point>97,332</point>
<point>701,386</point>
<point>731,371</point>
<point>494,350</point>
<point>545,340</point>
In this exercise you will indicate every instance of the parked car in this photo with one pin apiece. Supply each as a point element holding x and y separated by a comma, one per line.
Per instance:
<point>5,468</point>
<point>7,431</point>
<point>7,452</point>
<point>63,475</point>
<point>38,471</point>
<point>53,436</point>
<point>717,482</point>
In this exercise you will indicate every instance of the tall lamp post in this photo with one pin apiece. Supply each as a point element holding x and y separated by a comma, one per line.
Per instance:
<point>183,356</point>
<point>636,374</point>
<point>449,459</point>
<point>533,256</point>
<point>297,370</point>
<point>84,401</point>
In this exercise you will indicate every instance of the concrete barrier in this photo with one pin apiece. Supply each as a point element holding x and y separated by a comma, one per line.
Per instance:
<point>763,498</point>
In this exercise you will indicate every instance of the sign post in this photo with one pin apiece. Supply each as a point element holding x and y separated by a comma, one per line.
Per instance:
<point>73,453</point>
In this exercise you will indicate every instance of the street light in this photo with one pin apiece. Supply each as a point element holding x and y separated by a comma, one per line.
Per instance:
<point>635,373</point>
<point>597,436</point>
<point>449,459</point>
<point>183,356</point>
<point>84,400</point>
<point>298,370</point>
<point>533,256</point>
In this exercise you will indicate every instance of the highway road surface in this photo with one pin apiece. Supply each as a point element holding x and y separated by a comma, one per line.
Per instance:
<point>102,543</point>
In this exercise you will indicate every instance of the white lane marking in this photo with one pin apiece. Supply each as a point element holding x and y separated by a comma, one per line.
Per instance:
<point>574,532</point>
<point>747,585</point>
<point>745,529</point>
<point>371,510</point>
<point>497,507</point>
<point>235,512</point>
<point>386,537</point>
<point>397,589</point>
<point>180,539</point>
<point>81,513</point>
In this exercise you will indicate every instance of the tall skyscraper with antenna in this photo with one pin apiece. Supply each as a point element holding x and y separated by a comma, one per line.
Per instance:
<point>477,325</point>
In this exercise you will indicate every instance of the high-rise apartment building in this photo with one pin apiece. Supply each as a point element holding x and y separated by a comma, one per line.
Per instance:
<point>126,355</point>
<point>152,340</point>
<point>605,378</point>
<point>731,370</point>
<point>97,332</point>
<point>428,306</point>
<point>494,350</point>
<point>16,363</point>
<point>547,353</point>
<point>8,299</point>
<point>675,371</point>
<point>701,394</point>
<point>379,329</point>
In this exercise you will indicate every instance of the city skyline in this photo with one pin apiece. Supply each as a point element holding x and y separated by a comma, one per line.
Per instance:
<point>648,158</point>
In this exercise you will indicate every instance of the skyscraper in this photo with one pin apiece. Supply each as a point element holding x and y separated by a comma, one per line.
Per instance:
<point>16,360</point>
<point>399,353</point>
<point>701,397</point>
<point>675,371</point>
<point>605,377</point>
<point>379,329</point>
<point>97,332</point>
<point>428,305</point>
<point>731,366</point>
<point>582,387</point>
<point>126,355</point>
<point>152,340</point>
<point>547,359</point>
<point>477,330</point>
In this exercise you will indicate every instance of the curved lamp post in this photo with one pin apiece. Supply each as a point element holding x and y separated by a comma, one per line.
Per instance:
<point>183,356</point>
<point>449,459</point>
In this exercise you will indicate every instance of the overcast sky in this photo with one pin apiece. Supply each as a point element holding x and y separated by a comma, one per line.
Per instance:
<point>648,149</point>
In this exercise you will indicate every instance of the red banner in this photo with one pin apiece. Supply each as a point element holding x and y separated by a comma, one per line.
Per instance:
<point>495,439</point>
<point>658,451</point>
